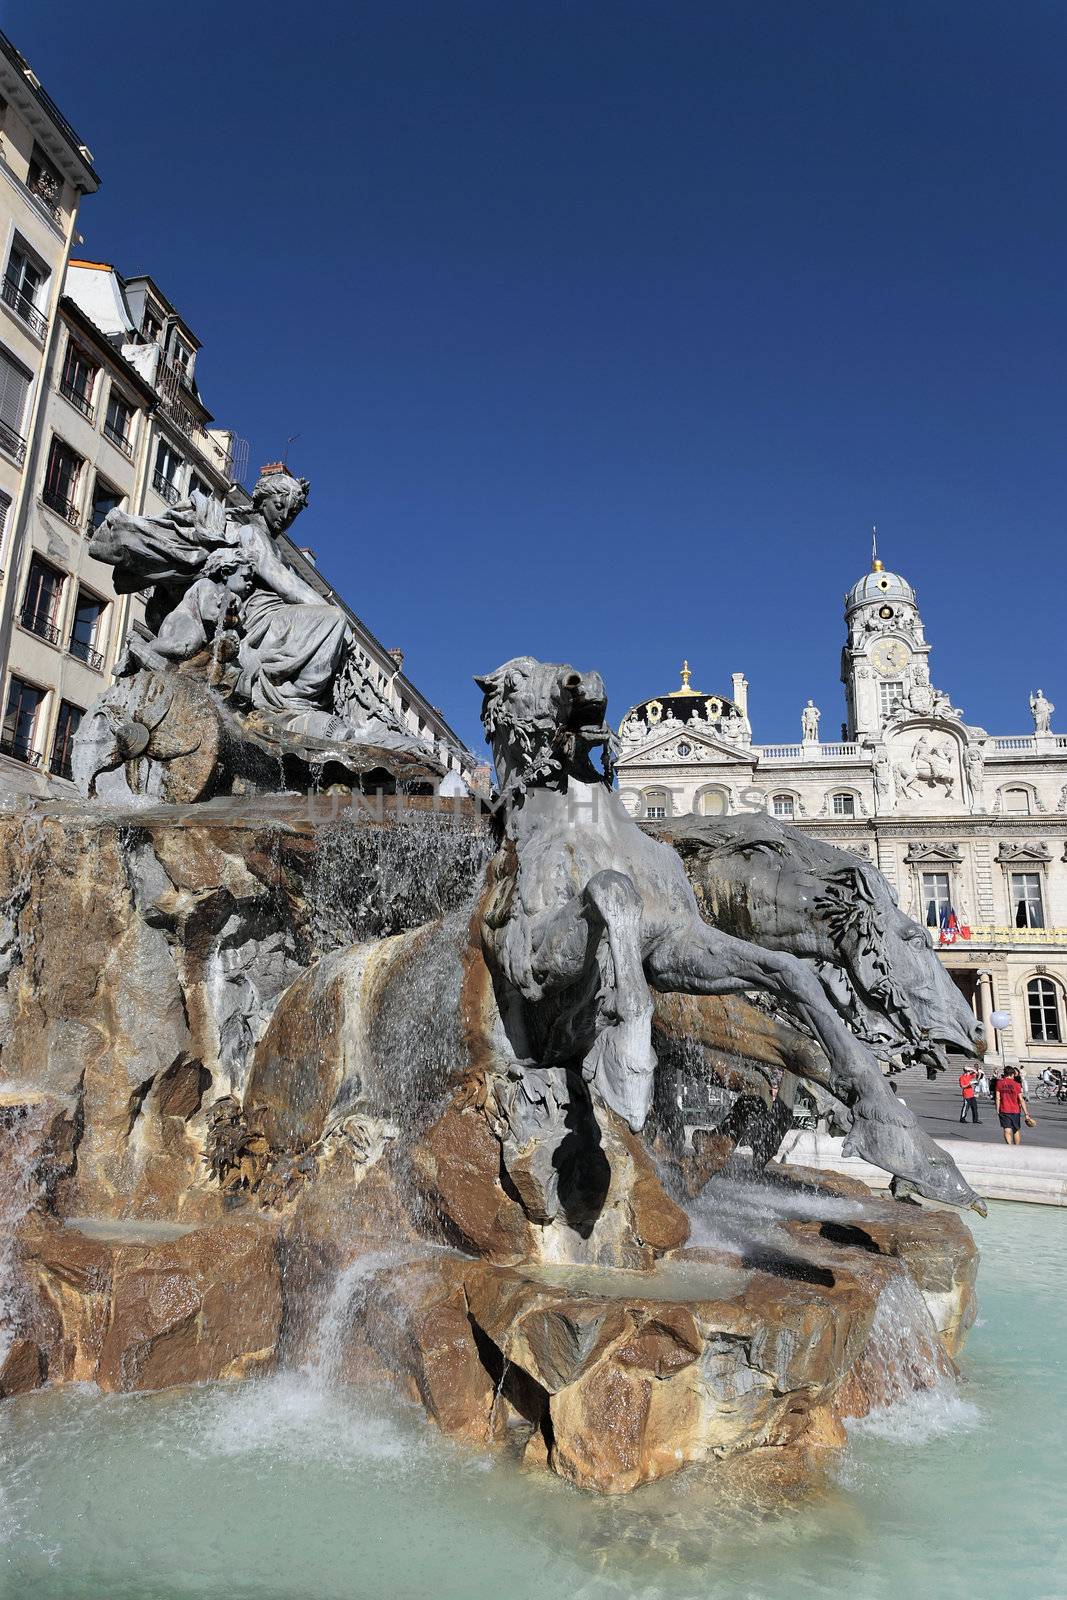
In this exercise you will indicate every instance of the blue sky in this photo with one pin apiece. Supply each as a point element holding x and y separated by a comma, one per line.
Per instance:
<point>608,329</point>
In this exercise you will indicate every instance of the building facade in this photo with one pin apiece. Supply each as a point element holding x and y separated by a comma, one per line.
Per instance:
<point>969,827</point>
<point>45,170</point>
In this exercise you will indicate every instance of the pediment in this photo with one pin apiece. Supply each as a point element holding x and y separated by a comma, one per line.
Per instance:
<point>1014,853</point>
<point>949,853</point>
<point>662,750</point>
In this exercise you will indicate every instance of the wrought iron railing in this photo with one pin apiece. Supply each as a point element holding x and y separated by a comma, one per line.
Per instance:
<point>119,440</point>
<point>12,442</point>
<point>20,749</point>
<point>60,764</point>
<point>41,626</point>
<point>164,487</point>
<point>85,652</point>
<point>24,307</point>
<point>55,500</point>
<point>76,398</point>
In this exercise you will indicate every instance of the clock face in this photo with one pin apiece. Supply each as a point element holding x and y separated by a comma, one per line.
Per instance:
<point>890,656</point>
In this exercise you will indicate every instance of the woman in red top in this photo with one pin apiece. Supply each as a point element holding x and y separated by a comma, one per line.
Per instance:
<point>1012,1106</point>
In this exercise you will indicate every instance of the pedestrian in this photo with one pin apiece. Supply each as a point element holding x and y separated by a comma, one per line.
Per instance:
<point>1012,1108</point>
<point>968,1085</point>
<point>983,1084</point>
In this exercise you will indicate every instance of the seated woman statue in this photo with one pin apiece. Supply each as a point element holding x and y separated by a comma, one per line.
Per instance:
<point>294,645</point>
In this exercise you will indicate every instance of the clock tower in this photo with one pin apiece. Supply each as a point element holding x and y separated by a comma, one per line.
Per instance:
<point>884,664</point>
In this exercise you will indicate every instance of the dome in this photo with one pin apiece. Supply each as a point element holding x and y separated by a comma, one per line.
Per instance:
<point>878,584</point>
<point>679,706</point>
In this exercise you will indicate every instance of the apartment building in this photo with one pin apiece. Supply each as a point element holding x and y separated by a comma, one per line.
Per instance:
<point>45,170</point>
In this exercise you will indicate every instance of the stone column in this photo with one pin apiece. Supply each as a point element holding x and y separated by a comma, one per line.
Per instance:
<point>985,1004</point>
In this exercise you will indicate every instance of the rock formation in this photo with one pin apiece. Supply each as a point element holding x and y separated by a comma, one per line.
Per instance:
<point>255,1049</point>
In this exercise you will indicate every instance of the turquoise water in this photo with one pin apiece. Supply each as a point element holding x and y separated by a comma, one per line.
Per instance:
<point>279,1491</point>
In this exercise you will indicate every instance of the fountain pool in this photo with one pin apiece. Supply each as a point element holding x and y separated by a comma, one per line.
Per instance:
<point>284,1488</point>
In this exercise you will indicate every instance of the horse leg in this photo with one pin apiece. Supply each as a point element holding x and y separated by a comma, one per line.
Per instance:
<point>621,1063</point>
<point>597,935</point>
<point>701,960</point>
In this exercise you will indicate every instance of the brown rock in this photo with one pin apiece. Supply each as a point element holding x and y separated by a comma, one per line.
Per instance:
<point>456,1166</point>
<point>416,1322</point>
<point>598,1429</point>
<point>25,1367</point>
<point>206,1306</point>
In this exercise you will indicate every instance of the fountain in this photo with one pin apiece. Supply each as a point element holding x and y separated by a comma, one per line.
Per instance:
<point>314,1075</point>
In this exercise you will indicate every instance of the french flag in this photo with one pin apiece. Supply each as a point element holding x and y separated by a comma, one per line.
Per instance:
<point>951,928</point>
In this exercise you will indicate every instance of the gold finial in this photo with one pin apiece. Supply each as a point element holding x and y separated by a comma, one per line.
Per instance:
<point>686,686</point>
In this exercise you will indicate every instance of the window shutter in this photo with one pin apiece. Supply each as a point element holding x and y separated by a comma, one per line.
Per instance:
<point>14,387</point>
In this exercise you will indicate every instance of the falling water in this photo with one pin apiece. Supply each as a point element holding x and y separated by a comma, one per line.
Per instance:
<point>372,879</point>
<point>20,1185</point>
<point>345,1300</point>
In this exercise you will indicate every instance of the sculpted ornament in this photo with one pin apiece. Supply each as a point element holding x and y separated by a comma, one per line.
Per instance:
<point>929,765</point>
<point>243,653</point>
<point>809,722</point>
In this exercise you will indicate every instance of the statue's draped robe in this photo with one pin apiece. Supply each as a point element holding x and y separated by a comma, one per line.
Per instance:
<point>293,648</point>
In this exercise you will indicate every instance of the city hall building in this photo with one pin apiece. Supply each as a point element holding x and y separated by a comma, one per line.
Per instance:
<point>969,827</point>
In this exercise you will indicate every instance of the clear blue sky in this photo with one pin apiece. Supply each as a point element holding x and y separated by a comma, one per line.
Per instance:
<point>608,329</point>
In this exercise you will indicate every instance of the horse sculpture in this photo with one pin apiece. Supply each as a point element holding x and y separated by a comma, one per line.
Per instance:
<point>584,914</point>
<point>764,881</point>
<point>538,1006</point>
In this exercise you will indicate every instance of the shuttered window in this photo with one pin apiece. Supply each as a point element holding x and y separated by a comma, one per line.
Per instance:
<point>14,387</point>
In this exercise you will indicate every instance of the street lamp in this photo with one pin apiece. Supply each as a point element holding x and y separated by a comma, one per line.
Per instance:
<point>1001,1020</point>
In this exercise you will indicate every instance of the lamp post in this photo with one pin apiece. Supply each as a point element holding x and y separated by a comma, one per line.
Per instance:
<point>1001,1020</point>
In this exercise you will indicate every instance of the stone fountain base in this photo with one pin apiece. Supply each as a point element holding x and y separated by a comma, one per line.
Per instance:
<point>166,1233</point>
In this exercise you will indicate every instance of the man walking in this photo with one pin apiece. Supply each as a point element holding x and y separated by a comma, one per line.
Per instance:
<point>968,1085</point>
<point>1011,1106</point>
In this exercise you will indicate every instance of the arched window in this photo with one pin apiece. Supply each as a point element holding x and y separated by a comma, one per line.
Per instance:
<point>712,803</point>
<point>1043,1009</point>
<point>657,803</point>
<point>844,805</point>
<point>1017,801</point>
<point>783,805</point>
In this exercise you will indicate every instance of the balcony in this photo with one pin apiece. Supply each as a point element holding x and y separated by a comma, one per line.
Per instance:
<point>988,933</point>
<point>23,307</point>
<point>76,398</point>
<point>163,487</point>
<point>34,623</point>
<point>10,745</point>
<point>85,652</point>
<point>60,764</point>
<point>13,443</point>
<point>119,440</point>
<point>56,501</point>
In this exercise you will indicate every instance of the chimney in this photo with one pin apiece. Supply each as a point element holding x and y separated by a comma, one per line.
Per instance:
<point>308,553</point>
<point>398,657</point>
<point>740,692</point>
<point>273,466</point>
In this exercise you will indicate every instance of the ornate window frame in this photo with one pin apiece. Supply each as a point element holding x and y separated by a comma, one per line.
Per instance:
<point>1028,855</point>
<point>934,857</point>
